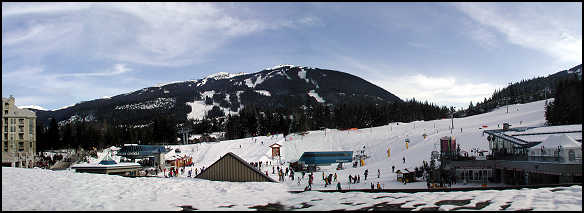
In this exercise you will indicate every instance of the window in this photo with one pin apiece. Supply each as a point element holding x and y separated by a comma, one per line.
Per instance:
<point>11,128</point>
<point>21,136</point>
<point>20,146</point>
<point>21,121</point>
<point>5,136</point>
<point>5,121</point>
<point>30,145</point>
<point>5,128</point>
<point>6,112</point>
<point>20,128</point>
<point>571,155</point>
<point>5,146</point>
<point>30,127</point>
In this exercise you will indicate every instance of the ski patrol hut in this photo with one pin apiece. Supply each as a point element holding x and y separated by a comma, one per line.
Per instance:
<point>232,168</point>
<point>275,150</point>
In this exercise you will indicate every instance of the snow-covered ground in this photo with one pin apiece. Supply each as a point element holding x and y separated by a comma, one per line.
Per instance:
<point>37,189</point>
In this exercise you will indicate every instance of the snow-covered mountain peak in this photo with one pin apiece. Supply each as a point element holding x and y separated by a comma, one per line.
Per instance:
<point>224,75</point>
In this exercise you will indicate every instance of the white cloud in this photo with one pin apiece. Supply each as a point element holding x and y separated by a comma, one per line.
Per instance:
<point>64,86</point>
<point>409,83</point>
<point>442,90</point>
<point>118,69</point>
<point>162,34</point>
<point>555,31</point>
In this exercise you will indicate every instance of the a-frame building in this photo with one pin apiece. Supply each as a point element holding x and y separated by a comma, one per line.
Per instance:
<point>231,167</point>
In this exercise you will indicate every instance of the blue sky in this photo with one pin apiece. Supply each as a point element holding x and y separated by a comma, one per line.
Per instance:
<point>59,54</point>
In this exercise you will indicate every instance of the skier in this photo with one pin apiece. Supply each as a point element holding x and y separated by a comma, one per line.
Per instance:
<point>339,186</point>
<point>372,187</point>
<point>378,186</point>
<point>366,172</point>
<point>378,173</point>
<point>358,178</point>
<point>335,177</point>
<point>404,159</point>
<point>393,168</point>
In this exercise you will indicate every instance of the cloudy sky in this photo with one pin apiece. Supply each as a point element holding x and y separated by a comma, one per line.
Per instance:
<point>58,54</point>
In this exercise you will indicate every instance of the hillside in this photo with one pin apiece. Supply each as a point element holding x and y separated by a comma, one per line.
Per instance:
<point>525,91</point>
<point>284,86</point>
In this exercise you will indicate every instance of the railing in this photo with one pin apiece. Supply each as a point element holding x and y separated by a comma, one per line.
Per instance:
<point>507,156</point>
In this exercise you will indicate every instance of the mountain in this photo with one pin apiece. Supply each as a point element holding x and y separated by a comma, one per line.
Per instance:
<point>284,86</point>
<point>524,91</point>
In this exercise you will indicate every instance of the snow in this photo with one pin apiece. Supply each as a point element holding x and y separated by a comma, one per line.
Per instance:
<point>33,107</point>
<point>65,107</point>
<point>263,92</point>
<point>38,189</point>
<point>199,109</point>
<point>279,66</point>
<point>315,95</point>
<point>167,103</point>
<point>218,76</point>
<point>302,75</point>
<point>259,79</point>
<point>559,140</point>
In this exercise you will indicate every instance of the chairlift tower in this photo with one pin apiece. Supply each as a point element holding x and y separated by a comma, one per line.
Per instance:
<point>185,132</point>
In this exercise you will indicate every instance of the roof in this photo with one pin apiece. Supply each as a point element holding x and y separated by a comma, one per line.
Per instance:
<point>214,167</point>
<point>141,150</point>
<point>275,145</point>
<point>557,140</point>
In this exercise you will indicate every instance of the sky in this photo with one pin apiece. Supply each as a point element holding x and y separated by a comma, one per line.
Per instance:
<point>58,54</point>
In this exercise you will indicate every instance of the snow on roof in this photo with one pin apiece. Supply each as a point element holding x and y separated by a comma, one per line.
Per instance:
<point>557,140</point>
<point>546,129</point>
<point>539,138</point>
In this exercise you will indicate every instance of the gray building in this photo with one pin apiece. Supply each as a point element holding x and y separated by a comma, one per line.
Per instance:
<point>18,135</point>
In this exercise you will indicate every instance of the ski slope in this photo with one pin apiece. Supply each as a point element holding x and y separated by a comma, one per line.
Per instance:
<point>376,140</point>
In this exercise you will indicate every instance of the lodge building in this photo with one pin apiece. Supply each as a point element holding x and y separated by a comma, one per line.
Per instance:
<point>526,156</point>
<point>18,135</point>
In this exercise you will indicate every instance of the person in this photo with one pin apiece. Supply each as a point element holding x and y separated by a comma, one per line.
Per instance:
<point>393,168</point>
<point>404,159</point>
<point>372,187</point>
<point>358,178</point>
<point>335,177</point>
<point>378,173</point>
<point>339,186</point>
<point>350,178</point>
<point>196,171</point>
<point>428,184</point>
<point>366,172</point>
<point>190,172</point>
<point>378,186</point>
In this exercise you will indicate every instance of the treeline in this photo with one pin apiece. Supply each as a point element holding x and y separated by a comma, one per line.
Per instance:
<point>253,120</point>
<point>102,134</point>
<point>567,105</point>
